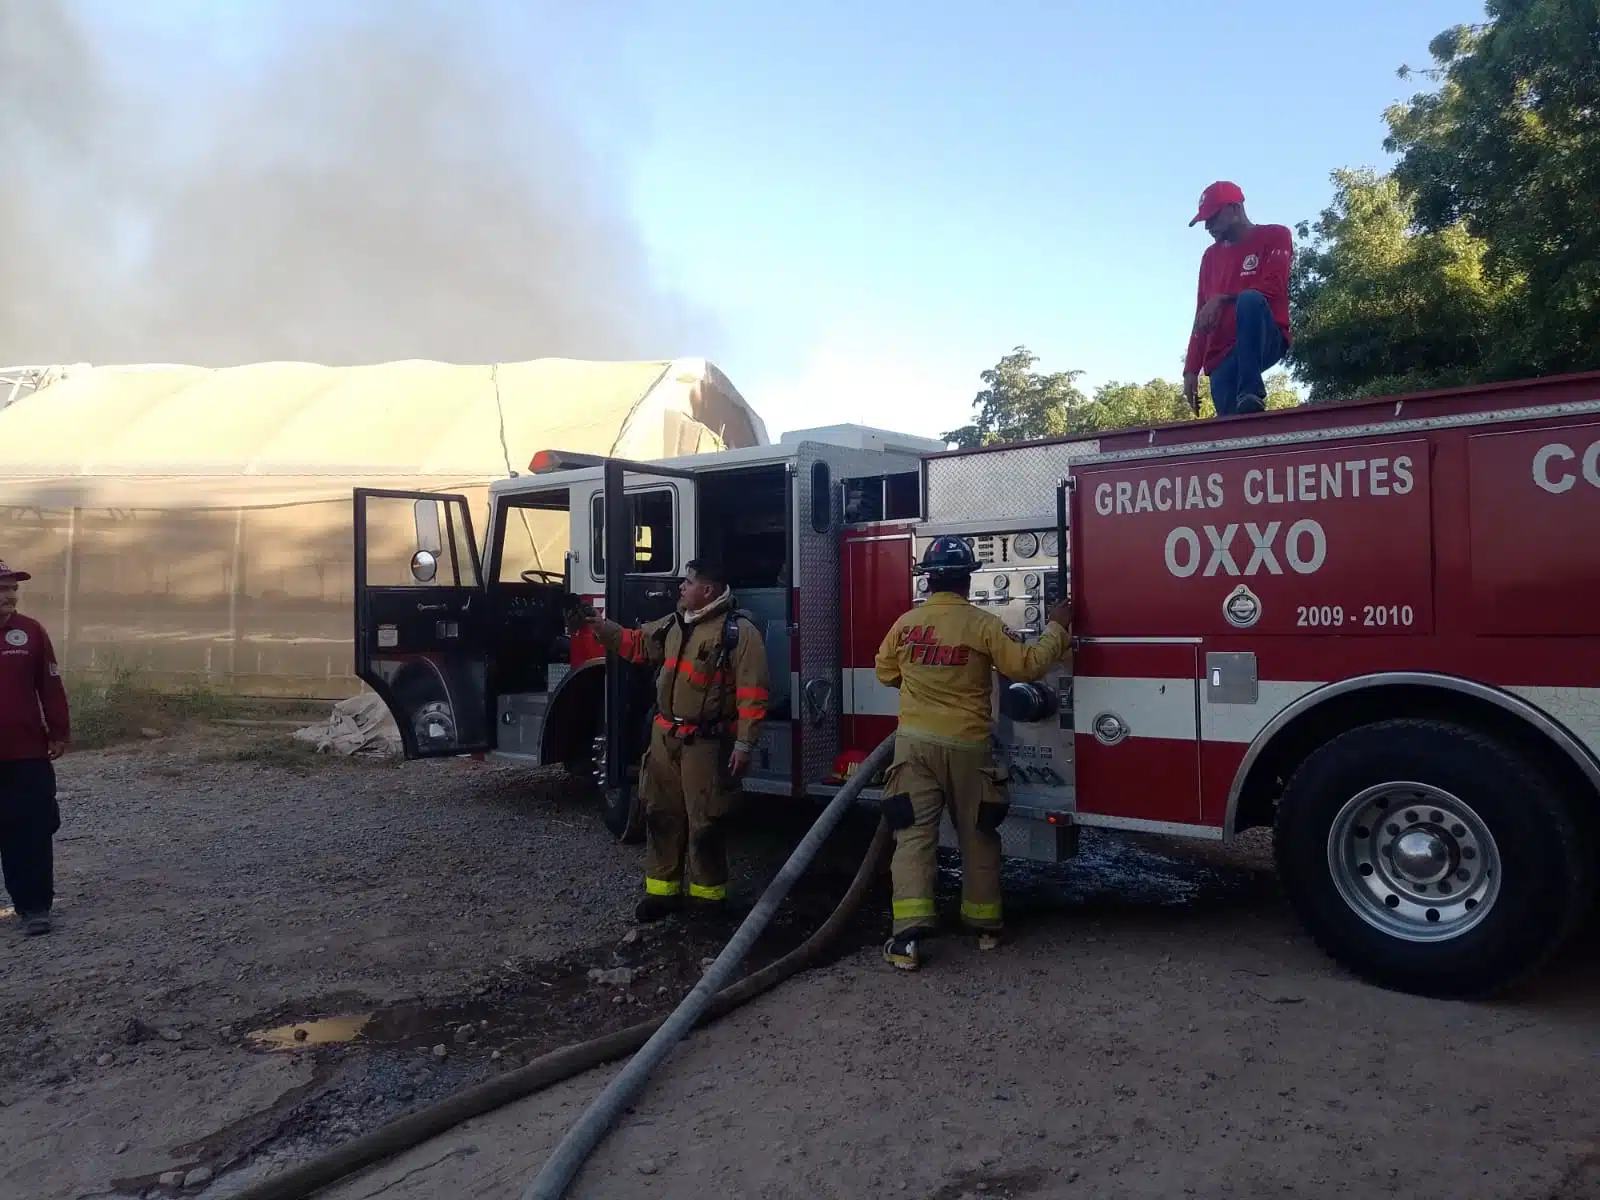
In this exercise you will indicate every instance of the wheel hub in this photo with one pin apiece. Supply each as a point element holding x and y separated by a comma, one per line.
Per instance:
<point>1421,856</point>
<point>1414,861</point>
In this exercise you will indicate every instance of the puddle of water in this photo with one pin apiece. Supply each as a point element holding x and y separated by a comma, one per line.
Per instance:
<point>322,1032</point>
<point>1107,870</point>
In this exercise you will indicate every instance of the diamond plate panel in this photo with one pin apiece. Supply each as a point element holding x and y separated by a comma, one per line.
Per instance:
<point>1001,484</point>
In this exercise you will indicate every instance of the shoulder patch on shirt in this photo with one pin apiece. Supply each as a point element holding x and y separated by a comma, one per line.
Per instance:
<point>16,637</point>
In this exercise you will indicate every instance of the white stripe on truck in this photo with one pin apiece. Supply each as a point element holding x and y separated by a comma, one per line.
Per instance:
<point>1166,707</point>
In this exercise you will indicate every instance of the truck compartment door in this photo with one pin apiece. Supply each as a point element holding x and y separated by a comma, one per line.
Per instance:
<point>421,618</point>
<point>1136,729</point>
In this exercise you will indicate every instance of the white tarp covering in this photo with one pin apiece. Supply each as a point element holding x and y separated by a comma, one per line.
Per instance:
<point>196,522</point>
<point>361,724</point>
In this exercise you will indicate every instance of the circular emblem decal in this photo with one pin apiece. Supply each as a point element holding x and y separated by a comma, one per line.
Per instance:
<point>1242,608</point>
<point>16,637</point>
<point>1109,729</point>
<point>1251,262</point>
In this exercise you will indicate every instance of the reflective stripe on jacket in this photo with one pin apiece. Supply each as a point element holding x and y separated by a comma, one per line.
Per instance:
<point>940,656</point>
<point>692,689</point>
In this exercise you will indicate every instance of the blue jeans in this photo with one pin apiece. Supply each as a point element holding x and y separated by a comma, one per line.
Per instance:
<point>1258,347</point>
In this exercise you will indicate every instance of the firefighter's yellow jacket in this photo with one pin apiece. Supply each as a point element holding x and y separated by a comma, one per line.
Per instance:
<point>940,655</point>
<point>695,693</point>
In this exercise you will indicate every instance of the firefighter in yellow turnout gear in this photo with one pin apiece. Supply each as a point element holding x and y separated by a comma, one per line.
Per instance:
<point>711,697</point>
<point>940,656</point>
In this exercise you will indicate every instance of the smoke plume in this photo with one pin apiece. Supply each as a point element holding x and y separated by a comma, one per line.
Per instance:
<point>377,192</point>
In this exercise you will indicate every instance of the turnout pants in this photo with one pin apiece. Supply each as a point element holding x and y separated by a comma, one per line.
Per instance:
<point>685,789</point>
<point>923,779</point>
<point>29,819</point>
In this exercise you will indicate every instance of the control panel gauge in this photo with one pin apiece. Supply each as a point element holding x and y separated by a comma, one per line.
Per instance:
<point>1052,547</point>
<point>1025,544</point>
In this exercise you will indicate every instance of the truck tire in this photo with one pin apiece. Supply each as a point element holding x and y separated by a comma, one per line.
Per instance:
<point>1428,858</point>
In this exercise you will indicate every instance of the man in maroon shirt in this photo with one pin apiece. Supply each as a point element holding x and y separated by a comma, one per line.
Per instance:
<point>1241,328</point>
<point>33,732</point>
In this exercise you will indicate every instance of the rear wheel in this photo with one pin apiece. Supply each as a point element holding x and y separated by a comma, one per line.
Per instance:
<point>1429,858</point>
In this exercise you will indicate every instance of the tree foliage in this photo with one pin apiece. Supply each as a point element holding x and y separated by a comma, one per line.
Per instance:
<point>1509,147</point>
<point>1019,403</point>
<point>1379,307</point>
<point>1478,257</point>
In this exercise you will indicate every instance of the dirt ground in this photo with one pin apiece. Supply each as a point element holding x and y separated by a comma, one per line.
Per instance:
<point>1158,1026</point>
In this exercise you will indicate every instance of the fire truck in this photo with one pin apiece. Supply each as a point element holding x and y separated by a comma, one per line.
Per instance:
<point>1373,627</point>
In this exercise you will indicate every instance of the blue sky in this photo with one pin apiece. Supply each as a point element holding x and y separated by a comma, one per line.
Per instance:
<point>876,202</point>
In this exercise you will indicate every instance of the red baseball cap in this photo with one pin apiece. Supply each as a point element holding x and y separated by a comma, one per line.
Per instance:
<point>1216,198</point>
<point>7,575</point>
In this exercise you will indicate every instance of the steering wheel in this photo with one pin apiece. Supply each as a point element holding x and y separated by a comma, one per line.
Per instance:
<point>533,576</point>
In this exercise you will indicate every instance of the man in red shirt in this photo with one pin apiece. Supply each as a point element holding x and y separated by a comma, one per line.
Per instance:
<point>1241,328</point>
<point>33,732</point>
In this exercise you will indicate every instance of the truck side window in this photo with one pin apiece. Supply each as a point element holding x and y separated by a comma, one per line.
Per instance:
<point>655,542</point>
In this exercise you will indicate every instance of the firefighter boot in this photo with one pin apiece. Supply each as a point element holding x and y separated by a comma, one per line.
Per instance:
<point>654,908</point>
<point>901,951</point>
<point>707,910</point>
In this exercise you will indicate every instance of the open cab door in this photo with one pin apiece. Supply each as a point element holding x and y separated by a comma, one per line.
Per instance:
<point>643,522</point>
<point>421,618</point>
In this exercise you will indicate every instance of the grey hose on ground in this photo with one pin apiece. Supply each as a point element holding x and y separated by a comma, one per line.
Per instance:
<point>412,1130</point>
<point>574,1149</point>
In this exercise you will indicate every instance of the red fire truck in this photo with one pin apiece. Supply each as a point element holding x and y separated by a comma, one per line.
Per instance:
<point>1372,626</point>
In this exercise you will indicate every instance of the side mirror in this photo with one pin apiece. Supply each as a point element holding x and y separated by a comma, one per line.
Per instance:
<point>424,566</point>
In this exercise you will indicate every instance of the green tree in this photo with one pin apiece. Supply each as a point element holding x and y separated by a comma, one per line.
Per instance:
<point>1020,404</point>
<point>1380,308</point>
<point>1478,257</point>
<point>1508,146</point>
<point>1160,402</point>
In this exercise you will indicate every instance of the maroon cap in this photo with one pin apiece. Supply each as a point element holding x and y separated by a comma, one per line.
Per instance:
<point>7,575</point>
<point>1216,198</point>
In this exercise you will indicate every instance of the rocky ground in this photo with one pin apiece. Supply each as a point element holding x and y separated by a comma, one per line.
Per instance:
<point>260,955</point>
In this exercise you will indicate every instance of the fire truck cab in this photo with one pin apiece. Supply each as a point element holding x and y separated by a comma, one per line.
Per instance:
<point>467,646</point>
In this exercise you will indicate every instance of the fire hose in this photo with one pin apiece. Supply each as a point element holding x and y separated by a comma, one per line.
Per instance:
<point>709,1000</point>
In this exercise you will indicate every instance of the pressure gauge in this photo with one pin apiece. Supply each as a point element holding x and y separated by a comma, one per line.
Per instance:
<point>1031,613</point>
<point>1002,583</point>
<point>922,584</point>
<point>1031,581</point>
<point>1025,544</point>
<point>1052,547</point>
